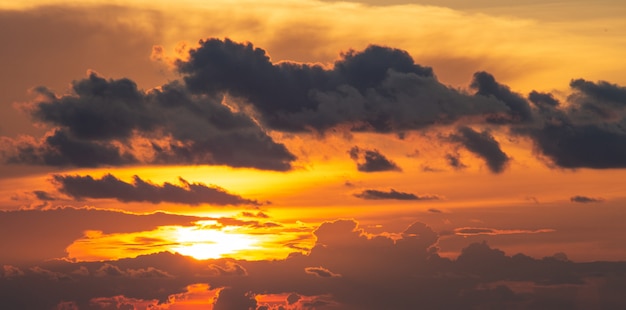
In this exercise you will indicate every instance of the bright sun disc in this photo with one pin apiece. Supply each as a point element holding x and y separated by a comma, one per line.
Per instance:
<point>205,244</point>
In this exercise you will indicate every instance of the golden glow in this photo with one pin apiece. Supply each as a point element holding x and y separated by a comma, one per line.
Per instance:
<point>206,243</point>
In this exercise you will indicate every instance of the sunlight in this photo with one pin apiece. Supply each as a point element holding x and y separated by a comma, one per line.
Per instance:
<point>206,244</point>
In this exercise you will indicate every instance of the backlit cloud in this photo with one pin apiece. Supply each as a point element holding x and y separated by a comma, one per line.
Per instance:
<point>108,186</point>
<point>372,194</point>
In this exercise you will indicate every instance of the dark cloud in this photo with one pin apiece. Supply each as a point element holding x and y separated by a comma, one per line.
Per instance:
<point>485,85</point>
<point>589,132</point>
<point>570,145</point>
<point>372,194</point>
<point>585,199</point>
<point>43,195</point>
<point>454,161</point>
<point>601,91</point>
<point>141,191</point>
<point>484,145</point>
<point>543,100</point>
<point>99,122</point>
<point>379,88</point>
<point>371,160</point>
<point>432,210</point>
<point>62,149</point>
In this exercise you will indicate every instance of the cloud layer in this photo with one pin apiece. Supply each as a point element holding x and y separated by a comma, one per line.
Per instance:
<point>346,269</point>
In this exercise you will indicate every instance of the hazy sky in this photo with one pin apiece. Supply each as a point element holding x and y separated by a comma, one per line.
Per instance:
<point>312,154</point>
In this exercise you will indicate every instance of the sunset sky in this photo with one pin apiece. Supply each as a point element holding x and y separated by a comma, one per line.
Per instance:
<point>308,154</point>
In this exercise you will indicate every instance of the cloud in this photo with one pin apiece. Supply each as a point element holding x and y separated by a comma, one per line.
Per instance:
<point>454,161</point>
<point>372,194</point>
<point>321,272</point>
<point>113,123</point>
<point>63,226</point>
<point>601,91</point>
<point>372,160</point>
<point>108,186</point>
<point>377,272</point>
<point>585,199</point>
<point>378,89</point>
<point>543,100</point>
<point>44,196</point>
<point>473,231</point>
<point>485,85</point>
<point>484,145</point>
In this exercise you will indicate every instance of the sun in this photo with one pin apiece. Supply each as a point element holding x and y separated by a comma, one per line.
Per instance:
<point>203,243</point>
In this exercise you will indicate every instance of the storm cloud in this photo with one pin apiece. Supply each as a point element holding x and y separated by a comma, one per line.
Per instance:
<point>109,186</point>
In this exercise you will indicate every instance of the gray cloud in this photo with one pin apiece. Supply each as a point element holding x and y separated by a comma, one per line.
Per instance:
<point>485,85</point>
<point>372,194</point>
<point>95,126</point>
<point>585,199</point>
<point>141,191</point>
<point>371,160</point>
<point>484,145</point>
<point>378,89</point>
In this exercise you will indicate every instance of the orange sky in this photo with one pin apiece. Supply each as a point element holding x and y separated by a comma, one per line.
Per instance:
<point>124,137</point>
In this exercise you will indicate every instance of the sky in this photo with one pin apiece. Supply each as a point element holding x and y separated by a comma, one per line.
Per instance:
<point>309,154</point>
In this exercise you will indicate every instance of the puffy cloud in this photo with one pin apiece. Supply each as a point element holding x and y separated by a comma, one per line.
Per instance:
<point>372,194</point>
<point>139,190</point>
<point>601,91</point>
<point>371,160</point>
<point>484,145</point>
<point>486,85</point>
<point>574,145</point>
<point>380,88</point>
<point>585,199</point>
<point>101,122</point>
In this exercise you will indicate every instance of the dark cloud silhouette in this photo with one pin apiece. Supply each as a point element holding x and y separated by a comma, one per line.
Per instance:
<point>62,149</point>
<point>372,194</point>
<point>484,145</point>
<point>573,145</point>
<point>97,122</point>
<point>485,85</point>
<point>379,88</point>
<point>43,195</point>
<point>601,91</point>
<point>454,161</point>
<point>543,100</point>
<point>585,199</point>
<point>141,191</point>
<point>371,160</point>
<point>587,133</point>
